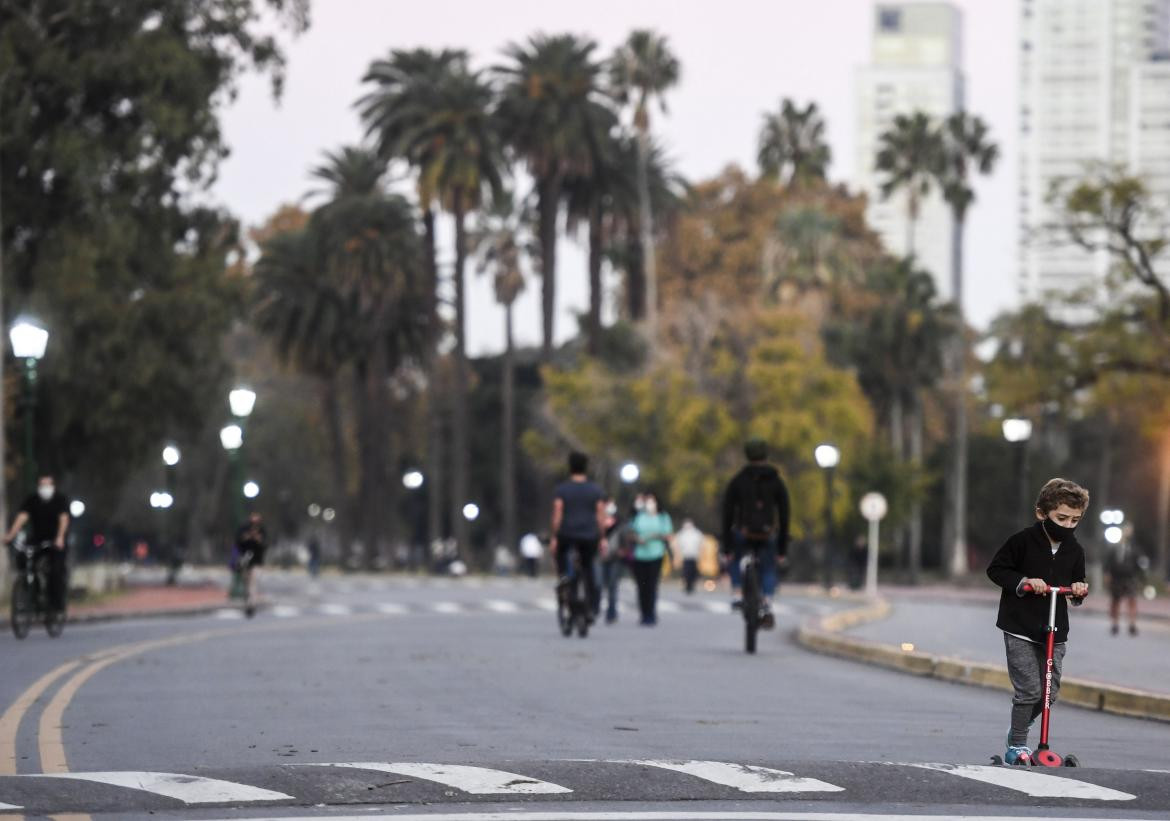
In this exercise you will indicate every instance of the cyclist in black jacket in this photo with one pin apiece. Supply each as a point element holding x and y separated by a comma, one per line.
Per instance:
<point>755,516</point>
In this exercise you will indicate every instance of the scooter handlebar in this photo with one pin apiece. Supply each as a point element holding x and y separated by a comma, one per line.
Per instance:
<point>1064,591</point>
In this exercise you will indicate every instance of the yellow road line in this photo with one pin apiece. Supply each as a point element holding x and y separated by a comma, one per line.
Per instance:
<point>10,721</point>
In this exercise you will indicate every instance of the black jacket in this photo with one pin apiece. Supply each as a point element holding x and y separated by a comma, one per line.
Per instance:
<point>1028,555</point>
<point>737,491</point>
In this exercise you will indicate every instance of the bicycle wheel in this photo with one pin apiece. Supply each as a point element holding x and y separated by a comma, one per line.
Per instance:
<point>564,609</point>
<point>22,609</point>
<point>751,607</point>
<point>54,622</point>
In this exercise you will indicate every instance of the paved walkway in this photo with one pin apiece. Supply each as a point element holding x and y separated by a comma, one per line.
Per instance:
<point>962,623</point>
<point>150,600</point>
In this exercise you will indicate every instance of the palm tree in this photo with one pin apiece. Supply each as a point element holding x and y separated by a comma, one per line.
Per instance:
<point>552,114</point>
<point>642,69</point>
<point>792,147</point>
<point>453,144</point>
<point>499,250</point>
<point>400,99</point>
<point>350,293</point>
<point>965,148</point>
<point>907,157</point>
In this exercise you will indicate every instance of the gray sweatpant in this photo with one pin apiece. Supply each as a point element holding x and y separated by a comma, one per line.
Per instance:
<point>1025,663</point>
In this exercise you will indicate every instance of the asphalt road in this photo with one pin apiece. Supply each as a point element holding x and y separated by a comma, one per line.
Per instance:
<point>459,698</point>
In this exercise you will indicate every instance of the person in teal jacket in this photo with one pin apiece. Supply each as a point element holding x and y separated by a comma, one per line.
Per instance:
<point>651,530</point>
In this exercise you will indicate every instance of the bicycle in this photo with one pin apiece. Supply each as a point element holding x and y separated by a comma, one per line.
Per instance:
<point>30,592</point>
<point>753,598</point>
<point>572,609</point>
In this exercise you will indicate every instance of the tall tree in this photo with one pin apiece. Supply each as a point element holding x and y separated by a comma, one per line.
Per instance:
<point>553,115</point>
<point>965,148</point>
<point>643,69</point>
<point>400,100</point>
<point>357,296</point>
<point>792,147</point>
<point>499,247</point>
<point>452,141</point>
<point>908,159</point>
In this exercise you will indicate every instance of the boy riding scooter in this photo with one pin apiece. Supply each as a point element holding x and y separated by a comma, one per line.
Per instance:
<point>1043,556</point>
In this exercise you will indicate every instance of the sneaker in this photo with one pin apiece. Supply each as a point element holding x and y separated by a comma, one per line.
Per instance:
<point>767,620</point>
<point>736,604</point>
<point>1113,630</point>
<point>1018,756</point>
<point>1133,629</point>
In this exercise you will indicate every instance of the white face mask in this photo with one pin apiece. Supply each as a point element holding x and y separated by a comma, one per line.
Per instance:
<point>46,491</point>
<point>652,507</point>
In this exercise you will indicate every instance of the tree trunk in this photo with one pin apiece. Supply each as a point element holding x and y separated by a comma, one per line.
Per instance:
<point>461,464</point>
<point>433,481</point>
<point>549,207</point>
<point>911,219</point>
<point>635,280</point>
<point>508,439</point>
<point>916,454</point>
<point>1159,563</point>
<point>331,407</point>
<point>596,251</point>
<point>646,233</point>
<point>958,564</point>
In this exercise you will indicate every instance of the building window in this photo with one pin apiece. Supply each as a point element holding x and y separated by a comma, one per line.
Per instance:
<point>890,19</point>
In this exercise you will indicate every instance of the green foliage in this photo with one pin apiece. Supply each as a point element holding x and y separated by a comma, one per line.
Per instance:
<point>109,122</point>
<point>758,374</point>
<point>792,147</point>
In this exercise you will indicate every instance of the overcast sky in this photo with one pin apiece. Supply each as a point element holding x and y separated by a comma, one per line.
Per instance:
<point>739,58</point>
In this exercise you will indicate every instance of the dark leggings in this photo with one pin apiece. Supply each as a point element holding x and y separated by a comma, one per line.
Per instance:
<point>646,574</point>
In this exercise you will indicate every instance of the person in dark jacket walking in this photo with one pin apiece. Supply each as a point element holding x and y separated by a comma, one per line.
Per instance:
<point>1125,567</point>
<point>1044,555</point>
<point>755,517</point>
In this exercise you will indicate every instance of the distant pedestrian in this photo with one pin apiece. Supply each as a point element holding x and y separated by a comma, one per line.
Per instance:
<point>314,556</point>
<point>251,547</point>
<point>613,565</point>
<point>530,551</point>
<point>651,530</point>
<point>1125,567</point>
<point>689,544</point>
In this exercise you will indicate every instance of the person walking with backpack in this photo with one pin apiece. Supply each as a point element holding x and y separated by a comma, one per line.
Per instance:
<point>755,517</point>
<point>651,529</point>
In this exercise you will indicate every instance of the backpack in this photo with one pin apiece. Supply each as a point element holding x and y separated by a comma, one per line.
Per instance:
<point>757,511</point>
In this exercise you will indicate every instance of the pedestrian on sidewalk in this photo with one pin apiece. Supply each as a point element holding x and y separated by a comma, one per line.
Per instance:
<point>531,550</point>
<point>46,512</point>
<point>250,549</point>
<point>1045,554</point>
<point>689,544</point>
<point>651,530</point>
<point>1125,567</point>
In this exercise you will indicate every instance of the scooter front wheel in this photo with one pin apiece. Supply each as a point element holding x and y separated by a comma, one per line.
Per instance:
<point>997,760</point>
<point>1047,758</point>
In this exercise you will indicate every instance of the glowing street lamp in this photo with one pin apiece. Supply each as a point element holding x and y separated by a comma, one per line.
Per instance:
<point>242,400</point>
<point>231,437</point>
<point>29,341</point>
<point>412,480</point>
<point>171,456</point>
<point>77,508</point>
<point>471,511</point>
<point>828,457</point>
<point>251,489</point>
<point>630,472</point>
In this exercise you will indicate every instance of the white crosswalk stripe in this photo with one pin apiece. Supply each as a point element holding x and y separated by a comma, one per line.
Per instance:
<point>189,789</point>
<point>501,606</point>
<point>228,613</point>
<point>667,606</point>
<point>336,610</point>
<point>4,806</point>
<point>284,611</point>
<point>1030,783</point>
<point>548,604</point>
<point>742,777</point>
<point>447,607</point>
<point>475,780</point>
<point>390,608</point>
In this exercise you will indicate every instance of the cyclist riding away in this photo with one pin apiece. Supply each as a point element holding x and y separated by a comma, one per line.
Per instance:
<point>578,523</point>
<point>755,517</point>
<point>46,513</point>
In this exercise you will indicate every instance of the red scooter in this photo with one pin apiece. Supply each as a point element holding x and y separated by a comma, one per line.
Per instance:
<point>1044,757</point>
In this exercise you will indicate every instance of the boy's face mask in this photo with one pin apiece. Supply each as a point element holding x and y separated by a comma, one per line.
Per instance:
<point>1058,533</point>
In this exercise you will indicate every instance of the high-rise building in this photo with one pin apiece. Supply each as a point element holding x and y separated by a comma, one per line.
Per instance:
<point>916,66</point>
<point>1095,91</point>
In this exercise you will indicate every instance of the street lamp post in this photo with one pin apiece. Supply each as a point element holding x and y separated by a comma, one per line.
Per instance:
<point>232,439</point>
<point>1018,432</point>
<point>413,481</point>
<point>29,342</point>
<point>827,457</point>
<point>171,457</point>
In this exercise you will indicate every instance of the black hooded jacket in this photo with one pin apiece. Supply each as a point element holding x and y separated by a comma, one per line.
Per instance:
<point>770,484</point>
<point>1028,555</point>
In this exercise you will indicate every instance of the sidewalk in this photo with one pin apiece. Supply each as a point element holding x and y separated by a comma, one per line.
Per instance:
<point>965,628</point>
<point>147,601</point>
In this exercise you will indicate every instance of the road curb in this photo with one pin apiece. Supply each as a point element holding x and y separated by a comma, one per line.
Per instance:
<point>825,635</point>
<point>124,615</point>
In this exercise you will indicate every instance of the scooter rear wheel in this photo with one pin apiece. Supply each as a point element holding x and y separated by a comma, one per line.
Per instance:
<point>997,760</point>
<point>1071,761</point>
